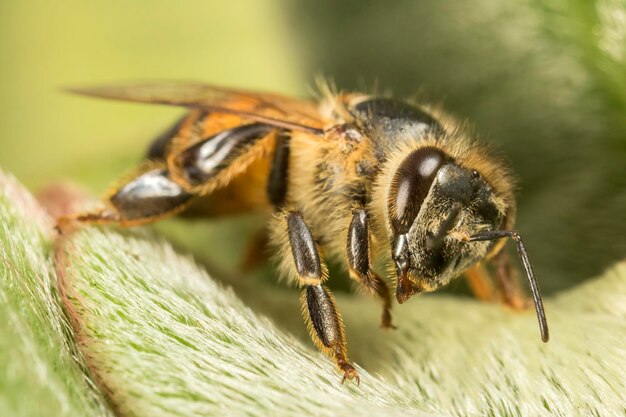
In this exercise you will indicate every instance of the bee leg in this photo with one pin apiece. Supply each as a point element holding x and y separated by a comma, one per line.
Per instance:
<point>509,289</point>
<point>358,250</point>
<point>318,304</point>
<point>480,283</point>
<point>326,327</point>
<point>147,197</point>
<point>508,281</point>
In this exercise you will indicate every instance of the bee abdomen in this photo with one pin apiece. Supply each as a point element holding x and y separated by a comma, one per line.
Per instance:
<point>204,160</point>
<point>150,194</point>
<point>158,147</point>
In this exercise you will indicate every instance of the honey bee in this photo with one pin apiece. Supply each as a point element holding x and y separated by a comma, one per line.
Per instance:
<point>351,176</point>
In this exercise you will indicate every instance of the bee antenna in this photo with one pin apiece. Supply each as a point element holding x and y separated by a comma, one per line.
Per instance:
<point>434,241</point>
<point>534,288</point>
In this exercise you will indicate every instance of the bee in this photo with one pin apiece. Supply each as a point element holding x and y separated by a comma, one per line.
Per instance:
<point>355,177</point>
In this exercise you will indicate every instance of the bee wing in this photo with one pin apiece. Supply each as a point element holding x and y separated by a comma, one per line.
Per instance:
<point>272,109</point>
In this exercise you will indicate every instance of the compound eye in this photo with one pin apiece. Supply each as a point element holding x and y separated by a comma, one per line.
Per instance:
<point>410,186</point>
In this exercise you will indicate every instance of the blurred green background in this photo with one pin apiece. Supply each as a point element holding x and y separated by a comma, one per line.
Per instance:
<point>545,84</point>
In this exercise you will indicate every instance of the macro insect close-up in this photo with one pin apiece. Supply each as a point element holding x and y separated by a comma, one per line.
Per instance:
<point>410,208</point>
<point>353,176</point>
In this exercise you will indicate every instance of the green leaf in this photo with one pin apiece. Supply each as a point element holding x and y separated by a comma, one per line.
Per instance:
<point>161,338</point>
<point>40,368</point>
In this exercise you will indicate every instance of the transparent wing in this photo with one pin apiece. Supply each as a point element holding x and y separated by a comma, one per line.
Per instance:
<point>273,109</point>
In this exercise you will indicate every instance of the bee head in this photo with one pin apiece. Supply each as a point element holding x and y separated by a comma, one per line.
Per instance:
<point>434,207</point>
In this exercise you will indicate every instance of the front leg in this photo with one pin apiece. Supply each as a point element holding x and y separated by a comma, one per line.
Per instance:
<point>358,249</point>
<point>508,280</point>
<point>318,305</point>
<point>508,288</point>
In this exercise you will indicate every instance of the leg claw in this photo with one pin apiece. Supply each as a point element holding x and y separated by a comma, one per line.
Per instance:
<point>349,373</point>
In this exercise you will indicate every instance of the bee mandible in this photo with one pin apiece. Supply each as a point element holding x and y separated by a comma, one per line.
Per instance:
<point>351,176</point>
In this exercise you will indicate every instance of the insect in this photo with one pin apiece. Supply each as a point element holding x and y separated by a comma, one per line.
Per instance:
<point>351,176</point>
